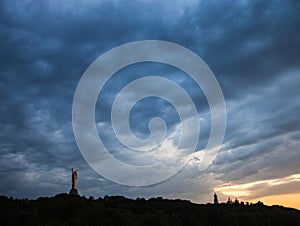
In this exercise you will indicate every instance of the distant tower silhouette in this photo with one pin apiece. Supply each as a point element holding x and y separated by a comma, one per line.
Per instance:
<point>236,202</point>
<point>74,190</point>
<point>229,202</point>
<point>216,199</point>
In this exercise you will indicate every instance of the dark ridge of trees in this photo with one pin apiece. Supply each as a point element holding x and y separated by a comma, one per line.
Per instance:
<point>64,209</point>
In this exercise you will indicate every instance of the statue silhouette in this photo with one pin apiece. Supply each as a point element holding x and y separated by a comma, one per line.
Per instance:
<point>74,190</point>
<point>74,177</point>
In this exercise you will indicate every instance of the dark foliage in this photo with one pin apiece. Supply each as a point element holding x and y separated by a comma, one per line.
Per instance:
<point>117,210</point>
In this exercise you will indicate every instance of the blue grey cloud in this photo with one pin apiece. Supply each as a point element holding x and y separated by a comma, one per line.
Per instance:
<point>251,46</point>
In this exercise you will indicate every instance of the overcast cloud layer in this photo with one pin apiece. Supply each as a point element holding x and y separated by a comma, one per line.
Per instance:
<point>253,48</point>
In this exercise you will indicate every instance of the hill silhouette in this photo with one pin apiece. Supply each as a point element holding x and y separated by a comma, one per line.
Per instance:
<point>64,209</point>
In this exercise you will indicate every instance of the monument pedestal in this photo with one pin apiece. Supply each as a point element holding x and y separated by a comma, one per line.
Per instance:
<point>73,191</point>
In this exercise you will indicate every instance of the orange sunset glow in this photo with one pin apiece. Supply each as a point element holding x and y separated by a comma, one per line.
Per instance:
<point>280,191</point>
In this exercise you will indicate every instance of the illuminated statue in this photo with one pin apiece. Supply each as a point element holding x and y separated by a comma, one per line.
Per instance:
<point>74,177</point>
<point>74,190</point>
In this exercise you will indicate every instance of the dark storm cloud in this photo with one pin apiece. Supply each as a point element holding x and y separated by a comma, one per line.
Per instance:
<point>252,47</point>
<point>255,35</point>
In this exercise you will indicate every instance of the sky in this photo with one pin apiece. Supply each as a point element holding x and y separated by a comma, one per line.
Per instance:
<point>252,47</point>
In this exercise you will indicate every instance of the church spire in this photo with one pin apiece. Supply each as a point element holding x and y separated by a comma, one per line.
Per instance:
<point>216,199</point>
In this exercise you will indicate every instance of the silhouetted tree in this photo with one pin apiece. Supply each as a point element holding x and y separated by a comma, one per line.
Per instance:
<point>64,209</point>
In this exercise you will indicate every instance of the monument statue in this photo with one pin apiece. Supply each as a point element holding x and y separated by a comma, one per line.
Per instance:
<point>74,190</point>
<point>74,177</point>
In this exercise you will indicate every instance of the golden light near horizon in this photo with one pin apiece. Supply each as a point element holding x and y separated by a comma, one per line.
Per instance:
<point>271,191</point>
<point>287,200</point>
